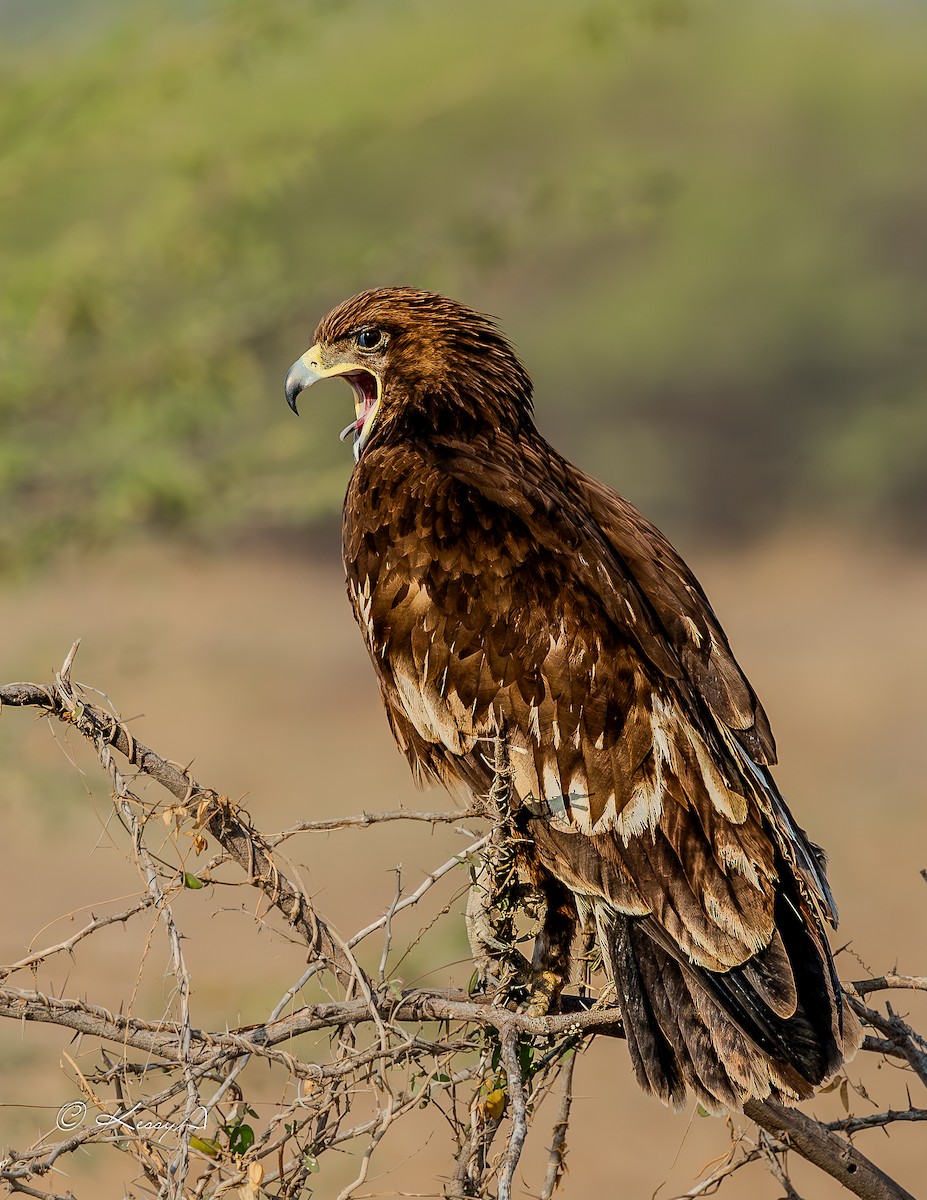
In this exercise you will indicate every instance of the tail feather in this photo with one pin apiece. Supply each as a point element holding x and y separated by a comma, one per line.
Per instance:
<point>771,977</point>
<point>683,1025</point>
<point>777,1026</point>
<point>807,1038</point>
<point>652,1056</point>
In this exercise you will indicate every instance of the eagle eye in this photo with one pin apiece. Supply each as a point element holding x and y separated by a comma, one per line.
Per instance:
<point>369,339</point>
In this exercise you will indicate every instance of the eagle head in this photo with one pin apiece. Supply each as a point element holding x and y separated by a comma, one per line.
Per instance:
<point>419,364</point>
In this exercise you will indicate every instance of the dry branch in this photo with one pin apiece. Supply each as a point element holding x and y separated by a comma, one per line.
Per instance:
<point>214,811</point>
<point>826,1150</point>
<point>479,1059</point>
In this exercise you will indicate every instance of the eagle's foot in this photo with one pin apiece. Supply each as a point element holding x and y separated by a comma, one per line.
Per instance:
<point>544,993</point>
<point>522,986</point>
<point>531,988</point>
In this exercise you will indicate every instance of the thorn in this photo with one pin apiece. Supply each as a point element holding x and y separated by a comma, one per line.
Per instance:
<point>65,673</point>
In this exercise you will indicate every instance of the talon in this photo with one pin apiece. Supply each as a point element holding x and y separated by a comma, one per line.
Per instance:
<point>545,990</point>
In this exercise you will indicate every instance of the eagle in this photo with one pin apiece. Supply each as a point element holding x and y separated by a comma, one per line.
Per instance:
<point>500,588</point>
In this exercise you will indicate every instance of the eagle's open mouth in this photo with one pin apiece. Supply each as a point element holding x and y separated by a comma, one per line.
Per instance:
<point>366,402</point>
<point>366,395</point>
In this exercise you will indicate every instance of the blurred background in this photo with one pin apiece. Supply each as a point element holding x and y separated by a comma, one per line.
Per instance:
<point>703,227</point>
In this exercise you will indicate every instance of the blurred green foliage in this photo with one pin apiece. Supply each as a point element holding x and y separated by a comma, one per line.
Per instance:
<point>702,224</point>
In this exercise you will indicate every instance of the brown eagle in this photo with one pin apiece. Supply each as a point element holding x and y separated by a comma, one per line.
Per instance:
<point>499,587</point>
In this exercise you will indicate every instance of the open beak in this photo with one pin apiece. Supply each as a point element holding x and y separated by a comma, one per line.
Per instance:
<point>308,370</point>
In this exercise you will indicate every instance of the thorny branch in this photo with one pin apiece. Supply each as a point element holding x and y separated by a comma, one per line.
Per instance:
<point>480,1059</point>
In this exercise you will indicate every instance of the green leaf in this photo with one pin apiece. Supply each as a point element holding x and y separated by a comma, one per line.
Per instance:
<point>241,1138</point>
<point>191,881</point>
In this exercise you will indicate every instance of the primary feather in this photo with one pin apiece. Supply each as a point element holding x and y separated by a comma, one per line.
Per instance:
<point>496,585</point>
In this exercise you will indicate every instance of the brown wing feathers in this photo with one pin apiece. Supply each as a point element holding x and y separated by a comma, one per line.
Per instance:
<point>493,581</point>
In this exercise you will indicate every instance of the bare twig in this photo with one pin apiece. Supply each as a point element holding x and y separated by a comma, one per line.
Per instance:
<point>888,982</point>
<point>67,945</point>
<point>364,820</point>
<point>556,1159</point>
<point>508,1038</point>
<point>773,1153</point>
<point>428,882</point>
<point>877,1120</point>
<point>899,1033</point>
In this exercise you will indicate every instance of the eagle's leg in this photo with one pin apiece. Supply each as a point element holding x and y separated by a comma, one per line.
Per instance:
<point>550,964</point>
<point>497,894</point>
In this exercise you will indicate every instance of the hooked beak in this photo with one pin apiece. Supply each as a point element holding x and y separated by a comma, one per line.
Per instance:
<point>367,386</point>
<point>306,371</point>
